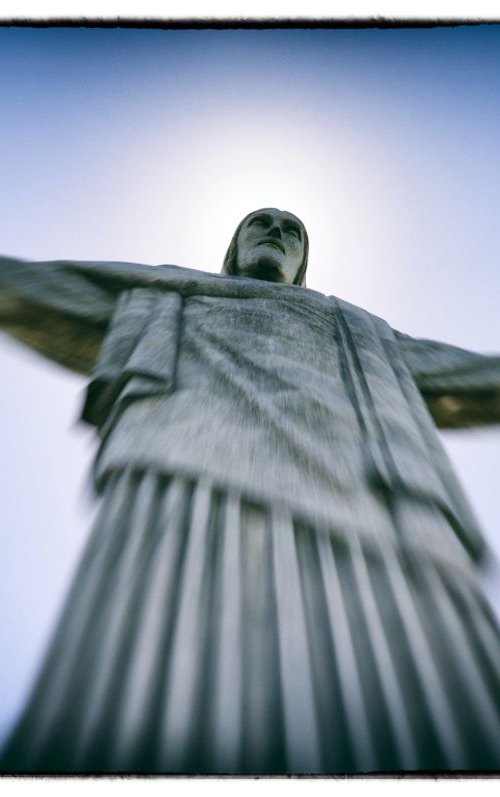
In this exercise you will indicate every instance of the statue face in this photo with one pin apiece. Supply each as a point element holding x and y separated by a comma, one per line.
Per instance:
<point>270,246</point>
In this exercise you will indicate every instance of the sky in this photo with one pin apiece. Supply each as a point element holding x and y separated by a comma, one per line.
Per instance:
<point>149,146</point>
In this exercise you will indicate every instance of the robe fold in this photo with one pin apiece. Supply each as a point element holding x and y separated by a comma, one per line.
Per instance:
<point>282,576</point>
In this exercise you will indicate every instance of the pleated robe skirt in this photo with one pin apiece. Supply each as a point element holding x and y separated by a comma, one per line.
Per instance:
<point>206,634</point>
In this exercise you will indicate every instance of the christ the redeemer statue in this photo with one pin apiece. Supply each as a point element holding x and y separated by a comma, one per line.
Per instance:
<point>282,577</point>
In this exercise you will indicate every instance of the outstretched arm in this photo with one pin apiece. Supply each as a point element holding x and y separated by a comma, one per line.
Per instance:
<point>460,388</point>
<point>61,309</point>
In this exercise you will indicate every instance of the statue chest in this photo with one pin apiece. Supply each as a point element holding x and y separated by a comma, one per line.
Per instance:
<point>300,389</point>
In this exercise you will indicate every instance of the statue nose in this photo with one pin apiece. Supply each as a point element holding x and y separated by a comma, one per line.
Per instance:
<point>275,231</point>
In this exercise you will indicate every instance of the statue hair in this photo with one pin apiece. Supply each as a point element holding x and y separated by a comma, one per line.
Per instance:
<point>231,258</point>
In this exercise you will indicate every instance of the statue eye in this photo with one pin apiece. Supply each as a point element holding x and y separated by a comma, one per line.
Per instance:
<point>294,231</point>
<point>257,220</point>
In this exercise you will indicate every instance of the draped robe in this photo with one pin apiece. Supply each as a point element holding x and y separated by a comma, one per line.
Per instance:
<point>282,576</point>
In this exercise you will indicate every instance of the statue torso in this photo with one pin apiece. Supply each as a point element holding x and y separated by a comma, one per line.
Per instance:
<point>291,398</point>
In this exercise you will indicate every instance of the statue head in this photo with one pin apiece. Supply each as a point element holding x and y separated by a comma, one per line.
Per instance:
<point>271,245</point>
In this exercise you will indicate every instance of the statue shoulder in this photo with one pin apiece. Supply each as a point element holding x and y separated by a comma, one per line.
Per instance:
<point>356,314</point>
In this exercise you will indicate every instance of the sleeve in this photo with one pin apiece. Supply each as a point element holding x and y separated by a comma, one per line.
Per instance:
<point>60,309</point>
<point>461,388</point>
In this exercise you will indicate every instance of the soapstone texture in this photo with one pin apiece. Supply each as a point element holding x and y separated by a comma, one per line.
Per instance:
<point>282,577</point>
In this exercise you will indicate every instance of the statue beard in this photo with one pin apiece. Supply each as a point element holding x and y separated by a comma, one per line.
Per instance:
<point>264,268</point>
<point>266,273</point>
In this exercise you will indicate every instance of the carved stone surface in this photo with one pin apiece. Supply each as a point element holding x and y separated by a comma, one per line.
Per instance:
<point>282,574</point>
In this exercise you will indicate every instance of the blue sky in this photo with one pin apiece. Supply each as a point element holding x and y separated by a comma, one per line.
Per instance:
<point>150,146</point>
